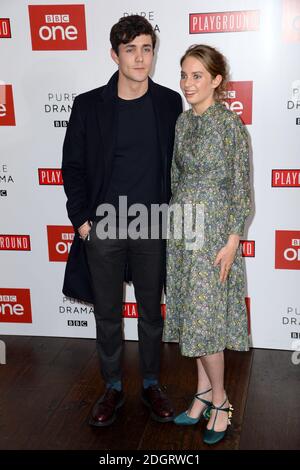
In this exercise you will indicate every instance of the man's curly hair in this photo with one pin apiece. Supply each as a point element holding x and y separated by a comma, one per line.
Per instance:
<point>128,28</point>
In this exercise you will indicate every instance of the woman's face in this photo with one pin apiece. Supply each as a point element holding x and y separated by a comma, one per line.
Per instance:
<point>197,84</point>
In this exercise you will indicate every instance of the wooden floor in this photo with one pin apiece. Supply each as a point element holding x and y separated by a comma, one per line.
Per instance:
<point>48,386</point>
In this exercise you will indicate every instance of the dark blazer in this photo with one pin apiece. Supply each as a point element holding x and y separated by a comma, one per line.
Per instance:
<point>88,152</point>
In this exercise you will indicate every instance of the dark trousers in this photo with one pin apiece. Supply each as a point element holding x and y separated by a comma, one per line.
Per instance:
<point>107,259</point>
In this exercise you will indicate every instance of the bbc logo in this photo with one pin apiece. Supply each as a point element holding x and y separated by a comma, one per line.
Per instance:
<point>57,18</point>
<point>298,121</point>
<point>77,323</point>
<point>295,335</point>
<point>60,123</point>
<point>230,94</point>
<point>3,192</point>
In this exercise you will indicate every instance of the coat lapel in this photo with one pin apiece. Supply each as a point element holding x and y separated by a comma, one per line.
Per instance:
<point>106,109</point>
<point>160,110</point>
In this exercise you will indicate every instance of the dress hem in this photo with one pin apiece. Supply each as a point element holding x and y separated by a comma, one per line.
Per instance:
<point>229,347</point>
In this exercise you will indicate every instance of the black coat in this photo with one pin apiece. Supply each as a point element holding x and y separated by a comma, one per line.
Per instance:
<point>88,152</point>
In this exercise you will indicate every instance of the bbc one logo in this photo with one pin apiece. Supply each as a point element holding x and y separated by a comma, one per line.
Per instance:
<point>287,249</point>
<point>57,27</point>
<point>238,98</point>
<point>15,306</point>
<point>224,22</point>
<point>7,112</point>
<point>60,238</point>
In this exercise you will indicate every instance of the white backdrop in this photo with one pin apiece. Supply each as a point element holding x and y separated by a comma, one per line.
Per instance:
<point>261,39</point>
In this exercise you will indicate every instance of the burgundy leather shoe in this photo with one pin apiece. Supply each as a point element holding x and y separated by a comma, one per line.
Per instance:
<point>158,402</point>
<point>104,410</point>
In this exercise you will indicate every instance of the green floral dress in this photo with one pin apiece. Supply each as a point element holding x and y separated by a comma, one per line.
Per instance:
<point>210,168</point>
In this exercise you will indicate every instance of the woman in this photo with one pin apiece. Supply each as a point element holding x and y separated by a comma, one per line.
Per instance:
<point>206,309</point>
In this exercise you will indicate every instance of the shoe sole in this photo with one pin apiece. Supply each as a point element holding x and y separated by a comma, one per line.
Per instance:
<point>156,417</point>
<point>98,424</point>
<point>213,442</point>
<point>186,424</point>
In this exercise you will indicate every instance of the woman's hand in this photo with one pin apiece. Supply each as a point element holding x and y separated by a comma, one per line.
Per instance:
<point>226,255</point>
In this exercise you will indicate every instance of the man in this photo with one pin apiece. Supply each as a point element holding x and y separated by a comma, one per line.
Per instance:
<point>119,142</point>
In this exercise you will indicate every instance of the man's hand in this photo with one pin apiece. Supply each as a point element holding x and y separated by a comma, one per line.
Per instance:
<point>84,230</point>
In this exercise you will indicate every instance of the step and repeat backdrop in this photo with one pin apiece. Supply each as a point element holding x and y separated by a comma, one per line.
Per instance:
<point>50,52</point>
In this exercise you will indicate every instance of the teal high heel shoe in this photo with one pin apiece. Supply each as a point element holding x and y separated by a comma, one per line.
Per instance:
<point>210,435</point>
<point>185,420</point>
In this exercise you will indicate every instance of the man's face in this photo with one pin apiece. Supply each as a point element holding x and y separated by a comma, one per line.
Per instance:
<point>135,58</point>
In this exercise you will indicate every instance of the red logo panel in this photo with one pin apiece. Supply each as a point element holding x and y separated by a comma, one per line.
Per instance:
<point>60,238</point>
<point>291,20</point>
<point>247,300</point>
<point>130,310</point>
<point>248,248</point>
<point>15,242</point>
<point>287,246</point>
<point>224,22</point>
<point>5,28</point>
<point>15,306</point>
<point>50,176</point>
<point>286,178</point>
<point>238,98</point>
<point>57,27</point>
<point>7,113</point>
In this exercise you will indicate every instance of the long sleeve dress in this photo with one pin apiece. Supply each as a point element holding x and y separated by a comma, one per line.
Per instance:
<point>210,168</point>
